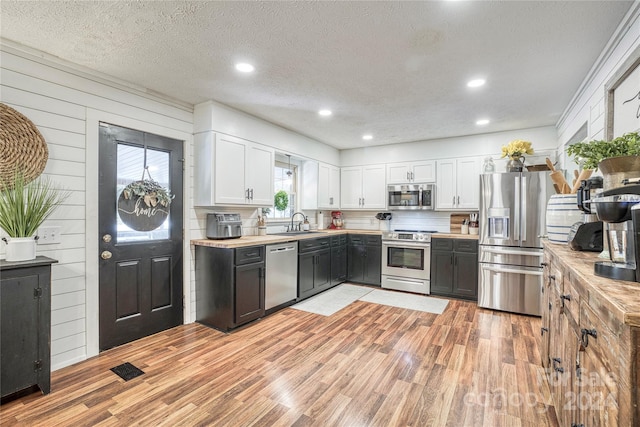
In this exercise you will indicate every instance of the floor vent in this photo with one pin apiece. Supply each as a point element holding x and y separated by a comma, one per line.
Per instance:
<point>127,371</point>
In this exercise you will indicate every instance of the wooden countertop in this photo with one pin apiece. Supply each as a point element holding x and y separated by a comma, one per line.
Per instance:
<point>454,236</point>
<point>620,297</point>
<point>272,238</point>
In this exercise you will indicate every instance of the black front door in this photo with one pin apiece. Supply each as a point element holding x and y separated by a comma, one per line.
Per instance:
<point>140,271</point>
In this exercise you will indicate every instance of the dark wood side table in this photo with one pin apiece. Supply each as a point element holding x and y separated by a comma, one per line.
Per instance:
<point>25,326</point>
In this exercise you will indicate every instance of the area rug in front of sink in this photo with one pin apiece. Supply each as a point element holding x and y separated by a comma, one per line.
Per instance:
<point>334,300</point>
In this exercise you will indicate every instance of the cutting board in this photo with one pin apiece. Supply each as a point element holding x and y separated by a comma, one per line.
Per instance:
<point>455,221</point>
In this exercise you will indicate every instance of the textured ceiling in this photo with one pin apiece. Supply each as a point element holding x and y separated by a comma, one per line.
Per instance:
<point>397,70</point>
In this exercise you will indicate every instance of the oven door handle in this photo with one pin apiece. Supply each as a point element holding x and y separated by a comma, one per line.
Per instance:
<point>407,244</point>
<point>512,270</point>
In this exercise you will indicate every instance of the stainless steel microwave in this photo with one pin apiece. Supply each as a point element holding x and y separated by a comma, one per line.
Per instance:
<point>411,197</point>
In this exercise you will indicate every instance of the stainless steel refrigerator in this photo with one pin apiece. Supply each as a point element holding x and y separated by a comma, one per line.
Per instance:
<point>512,221</point>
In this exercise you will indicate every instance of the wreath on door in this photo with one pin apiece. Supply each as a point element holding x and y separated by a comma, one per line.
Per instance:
<point>281,200</point>
<point>143,205</point>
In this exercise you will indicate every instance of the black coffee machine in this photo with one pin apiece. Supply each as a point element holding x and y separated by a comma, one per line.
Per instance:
<point>586,235</point>
<point>619,209</point>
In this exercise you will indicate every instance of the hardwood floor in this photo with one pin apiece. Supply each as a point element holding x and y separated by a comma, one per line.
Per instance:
<point>367,365</point>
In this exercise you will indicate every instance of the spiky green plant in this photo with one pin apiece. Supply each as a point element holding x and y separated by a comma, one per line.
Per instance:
<point>24,206</point>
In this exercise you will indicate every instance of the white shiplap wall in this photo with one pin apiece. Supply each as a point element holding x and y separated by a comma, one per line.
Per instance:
<point>588,104</point>
<point>66,103</point>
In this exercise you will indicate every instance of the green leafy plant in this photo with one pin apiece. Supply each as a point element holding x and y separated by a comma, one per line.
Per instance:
<point>24,206</point>
<point>589,154</point>
<point>281,200</point>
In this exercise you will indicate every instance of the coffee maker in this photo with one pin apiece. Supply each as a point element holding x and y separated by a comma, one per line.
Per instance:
<point>586,235</point>
<point>622,222</point>
<point>635,219</point>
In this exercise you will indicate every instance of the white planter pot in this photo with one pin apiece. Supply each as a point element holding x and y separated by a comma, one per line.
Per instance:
<point>562,213</point>
<point>21,248</point>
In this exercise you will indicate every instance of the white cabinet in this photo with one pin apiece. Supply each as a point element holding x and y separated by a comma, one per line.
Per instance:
<point>232,171</point>
<point>363,187</point>
<point>407,172</point>
<point>328,186</point>
<point>458,184</point>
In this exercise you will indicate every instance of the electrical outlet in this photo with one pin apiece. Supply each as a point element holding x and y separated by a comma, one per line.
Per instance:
<point>48,235</point>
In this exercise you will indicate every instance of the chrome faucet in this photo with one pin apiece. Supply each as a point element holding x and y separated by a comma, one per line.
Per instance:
<point>292,216</point>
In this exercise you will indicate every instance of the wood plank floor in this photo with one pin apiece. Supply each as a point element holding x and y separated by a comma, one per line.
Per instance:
<point>367,365</point>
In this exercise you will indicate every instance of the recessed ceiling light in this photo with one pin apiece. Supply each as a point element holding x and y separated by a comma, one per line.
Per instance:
<point>482,122</point>
<point>325,112</point>
<point>367,137</point>
<point>476,82</point>
<point>244,67</point>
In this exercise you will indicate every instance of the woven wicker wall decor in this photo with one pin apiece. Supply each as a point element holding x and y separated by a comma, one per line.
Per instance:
<point>22,146</point>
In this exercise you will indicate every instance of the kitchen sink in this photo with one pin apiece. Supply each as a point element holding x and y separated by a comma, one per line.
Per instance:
<point>295,233</point>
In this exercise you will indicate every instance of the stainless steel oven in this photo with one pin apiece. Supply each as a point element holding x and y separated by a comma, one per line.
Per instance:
<point>411,197</point>
<point>406,261</point>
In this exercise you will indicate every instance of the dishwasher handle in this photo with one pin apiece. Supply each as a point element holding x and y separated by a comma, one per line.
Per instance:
<point>282,249</point>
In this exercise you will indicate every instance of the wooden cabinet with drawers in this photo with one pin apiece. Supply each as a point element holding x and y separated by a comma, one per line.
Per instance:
<point>590,342</point>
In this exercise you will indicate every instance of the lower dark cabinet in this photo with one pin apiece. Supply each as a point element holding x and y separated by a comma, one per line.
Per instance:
<point>314,266</point>
<point>229,286</point>
<point>25,325</point>
<point>364,258</point>
<point>338,259</point>
<point>454,268</point>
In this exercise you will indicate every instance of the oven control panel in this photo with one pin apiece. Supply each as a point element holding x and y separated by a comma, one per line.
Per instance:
<point>407,236</point>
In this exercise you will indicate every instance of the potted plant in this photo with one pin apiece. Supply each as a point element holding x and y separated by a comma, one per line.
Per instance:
<point>24,206</point>
<point>616,159</point>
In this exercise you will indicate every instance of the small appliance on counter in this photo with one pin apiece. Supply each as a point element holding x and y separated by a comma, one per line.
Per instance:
<point>586,235</point>
<point>336,220</point>
<point>224,226</point>
<point>615,208</point>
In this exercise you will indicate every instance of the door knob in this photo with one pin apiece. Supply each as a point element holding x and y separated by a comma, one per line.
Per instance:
<point>105,255</point>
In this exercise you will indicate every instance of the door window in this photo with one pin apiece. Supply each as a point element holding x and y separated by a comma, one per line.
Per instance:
<point>130,168</point>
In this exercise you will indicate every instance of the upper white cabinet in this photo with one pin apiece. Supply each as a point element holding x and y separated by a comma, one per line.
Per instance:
<point>408,172</point>
<point>363,187</point>
<point>458,184</point>
<point>232,171</point>
<point>328,186</point>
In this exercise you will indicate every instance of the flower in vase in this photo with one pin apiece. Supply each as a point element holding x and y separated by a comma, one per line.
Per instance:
<point>516,149</point>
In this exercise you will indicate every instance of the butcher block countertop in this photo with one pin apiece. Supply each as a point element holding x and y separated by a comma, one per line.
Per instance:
<point>273,238</point>
<point>454,236</point>
<point>621,298</point>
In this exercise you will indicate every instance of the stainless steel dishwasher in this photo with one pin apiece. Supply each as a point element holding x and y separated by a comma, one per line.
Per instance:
<point>281,285</point>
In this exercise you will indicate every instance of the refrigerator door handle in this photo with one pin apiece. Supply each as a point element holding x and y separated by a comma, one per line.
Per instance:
<point>512,252</point>
<point>516,210</point>
<point>512,270</point>
<point>524,193</point>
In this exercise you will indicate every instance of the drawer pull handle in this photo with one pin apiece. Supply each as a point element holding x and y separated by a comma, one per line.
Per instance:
<point>544,264</point>
<point>543,330</point>
<point>552,277</point>
<point>559,369</point>
<point>564,298</point>
<point>585,335</point>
